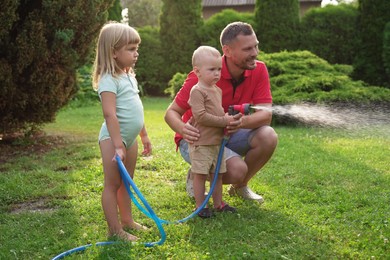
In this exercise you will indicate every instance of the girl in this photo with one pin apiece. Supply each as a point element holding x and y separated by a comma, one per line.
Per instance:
<point>113,78</point>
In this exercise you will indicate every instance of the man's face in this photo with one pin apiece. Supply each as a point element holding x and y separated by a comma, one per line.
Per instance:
<point>243,51</point>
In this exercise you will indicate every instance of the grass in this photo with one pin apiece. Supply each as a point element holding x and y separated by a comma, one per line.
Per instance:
<point>327,196</point>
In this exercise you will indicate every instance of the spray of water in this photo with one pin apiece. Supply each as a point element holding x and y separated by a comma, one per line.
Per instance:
<point>339,116</point>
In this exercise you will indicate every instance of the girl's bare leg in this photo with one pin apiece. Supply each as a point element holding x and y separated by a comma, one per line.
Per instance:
<point>112,182</point>
<point>123,198</point>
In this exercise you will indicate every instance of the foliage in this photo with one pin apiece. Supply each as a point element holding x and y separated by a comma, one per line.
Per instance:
<point>175,84</point>
<point>115,12</point>
<point>150,65</point>
<point>329,32</point>
<point>210,31</point>
<point>42,44</point>
<point>85,95</point>
<point>368,65</point>
<point>143,12</point>
<point>325,190</point>
<point>386,49</point>
<point>277,24</point>
<point>178,32</point>
<point>303,77</point>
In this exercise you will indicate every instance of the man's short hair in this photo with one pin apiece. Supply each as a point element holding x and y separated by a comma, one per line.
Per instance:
<point>232,30</point>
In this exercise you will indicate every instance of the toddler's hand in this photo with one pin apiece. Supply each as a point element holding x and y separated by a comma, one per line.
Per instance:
<point>235,125</point>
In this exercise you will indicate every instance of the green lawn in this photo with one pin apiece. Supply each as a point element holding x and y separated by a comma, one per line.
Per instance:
<point>327,196</point>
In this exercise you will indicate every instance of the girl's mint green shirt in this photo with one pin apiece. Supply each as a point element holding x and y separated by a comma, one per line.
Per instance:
<point>129,108</point>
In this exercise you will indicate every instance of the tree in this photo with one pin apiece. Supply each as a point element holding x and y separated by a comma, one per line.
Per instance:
<point>179,22</point>
<point>386,50</point>
<point>368,64</point>
<point>115,12</point>
<point>151,63</point>
<point>143,12</point>
<point>42,43</point>
<point>210,31</point>
<point>277,24</point>
<point>329,32</point>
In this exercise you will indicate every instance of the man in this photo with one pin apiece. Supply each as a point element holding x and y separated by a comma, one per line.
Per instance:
<point>243,80</point>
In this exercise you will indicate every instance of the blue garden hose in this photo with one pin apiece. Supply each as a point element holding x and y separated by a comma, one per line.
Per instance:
<point>147,210</point>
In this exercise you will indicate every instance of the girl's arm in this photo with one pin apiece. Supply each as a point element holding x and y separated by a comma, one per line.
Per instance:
<point>145,142</point>
<point>109,113</point>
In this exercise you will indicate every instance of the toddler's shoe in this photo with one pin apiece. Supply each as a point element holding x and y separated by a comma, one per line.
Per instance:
<point>226,208</point>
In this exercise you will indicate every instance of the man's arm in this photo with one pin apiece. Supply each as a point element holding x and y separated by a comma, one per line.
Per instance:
<point>173,119</point>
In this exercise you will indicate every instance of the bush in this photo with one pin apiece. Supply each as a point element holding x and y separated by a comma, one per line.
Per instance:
<point>386,51</point>
<point>178,33</point>
<point>277,24</point>
<point>301,76</point>
<point>210,32</point>
<point>368,63</point>
<point>115,12</point>
<point>86,94</point>
<point>329,32</point>
<point>175,84</point>
<point>42,44</point>
<point>304,77</point>
<point>150,67</point>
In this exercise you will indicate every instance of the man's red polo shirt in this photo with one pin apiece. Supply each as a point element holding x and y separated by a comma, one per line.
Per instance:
<point>254,89</point>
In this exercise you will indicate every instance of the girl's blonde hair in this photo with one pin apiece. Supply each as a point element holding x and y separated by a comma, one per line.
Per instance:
<point>113,36</point>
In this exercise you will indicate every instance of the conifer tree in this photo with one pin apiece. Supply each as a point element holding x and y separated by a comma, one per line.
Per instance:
<point>277,24</point>
<point>42,43</point>
<point>368,65</point>
<point>179,22</point>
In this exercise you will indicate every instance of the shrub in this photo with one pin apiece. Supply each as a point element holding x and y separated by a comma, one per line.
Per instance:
<point>304,77</point>
<point>85,94</point>
<point>210,31</point>
<point>329,32</point>
<point>368,64</point>
<point>301,76</point>
<point>150,68</point>
<point>175,84</point>
<point>386,52</point>
<point>115,12</point>
<point>178,33</point>
<point>42,44</point>
<point>277,24</point>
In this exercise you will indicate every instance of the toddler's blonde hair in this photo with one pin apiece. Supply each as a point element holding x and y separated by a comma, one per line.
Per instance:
<point>203,51</point>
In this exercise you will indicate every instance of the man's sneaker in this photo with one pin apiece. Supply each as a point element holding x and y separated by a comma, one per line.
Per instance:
<point>225,208</point>
<point>190,184</point>
<point>245,193</point>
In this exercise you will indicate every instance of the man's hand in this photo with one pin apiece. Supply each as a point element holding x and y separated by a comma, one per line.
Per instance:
<point>189,132</point>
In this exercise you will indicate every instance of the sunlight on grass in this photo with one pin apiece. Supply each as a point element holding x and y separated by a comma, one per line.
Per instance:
<point>326,197</point>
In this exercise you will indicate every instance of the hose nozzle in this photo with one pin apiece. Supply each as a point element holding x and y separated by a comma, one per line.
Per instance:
<point>244,109</point>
